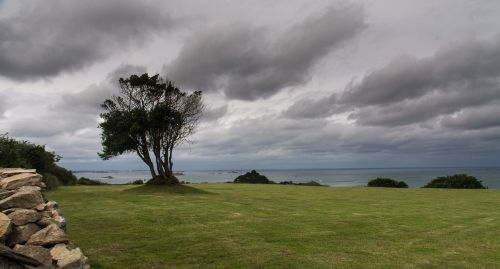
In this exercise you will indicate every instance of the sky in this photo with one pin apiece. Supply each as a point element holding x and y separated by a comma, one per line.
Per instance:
<point>287,84</point>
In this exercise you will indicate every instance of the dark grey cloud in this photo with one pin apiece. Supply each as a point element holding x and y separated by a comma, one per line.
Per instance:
<point>409,78</point>
<point>75,111</point>
<point>270,138</point>
<point>251,63</point>
<point>3,105</point>
<point>211,114</point>
<point>312,108</point>
<point>49,37</point>
<point>410,90</point>
<point>474,118</point>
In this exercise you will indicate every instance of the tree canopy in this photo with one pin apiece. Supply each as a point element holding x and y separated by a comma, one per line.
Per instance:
<point>149,117</point>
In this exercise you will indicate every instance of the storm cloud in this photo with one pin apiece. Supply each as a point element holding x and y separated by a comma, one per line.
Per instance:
<point>77,111</point>
<point>286,84</point>
<point>250,63</point>
<point>3,105</point>
<point>50,37</point>
<point>409,90</point>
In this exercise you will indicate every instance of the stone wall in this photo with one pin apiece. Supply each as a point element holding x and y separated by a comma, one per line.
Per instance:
<point>32,230</point>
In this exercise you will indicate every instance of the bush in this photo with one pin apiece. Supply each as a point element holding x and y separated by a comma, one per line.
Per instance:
<point>310,183</point>
<point>23,154</point>
<point>88,181</point>
<point>51,182</point>
<point>387,183</point>
<point>65,176</point>
<point>459,181</point>
<point>137,182</point>
<point>159,180</point>
<point>253,177</point>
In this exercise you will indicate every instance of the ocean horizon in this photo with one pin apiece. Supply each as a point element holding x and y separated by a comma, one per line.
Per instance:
<point>339,177</point>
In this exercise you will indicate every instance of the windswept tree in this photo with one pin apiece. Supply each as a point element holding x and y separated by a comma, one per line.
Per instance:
<point>149,117</point>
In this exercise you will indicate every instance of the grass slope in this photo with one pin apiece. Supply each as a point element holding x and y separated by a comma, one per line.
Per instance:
<point>276,226</point>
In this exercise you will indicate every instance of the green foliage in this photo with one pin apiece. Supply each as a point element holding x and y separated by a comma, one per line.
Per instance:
<point>310,183</point>
<point>88,181</point>
<point>149,117</point>
<point>387,183</point>
<point>137,182</point>
<point>65,176</point>
<point>459,181</point>
<point>24,154</point>
<point>51,181</point>
<point>159,180</point>
<point>253,177</point>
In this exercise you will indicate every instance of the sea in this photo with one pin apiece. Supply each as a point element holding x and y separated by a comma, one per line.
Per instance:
<point>414,177</point>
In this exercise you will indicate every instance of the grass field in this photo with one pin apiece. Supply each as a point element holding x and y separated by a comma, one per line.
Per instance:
<point>276,226</point>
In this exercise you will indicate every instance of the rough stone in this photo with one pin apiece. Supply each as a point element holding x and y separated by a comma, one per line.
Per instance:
<point>48,236</point>
<point>60,220</point>
<point>23,216</point>
<point>38,253</point>
<point>46,221</point>
<point>29,188</point>
<point>23,199</point>
<point>52,204</point>
<point>21,234</point>
<point>68,259</point>
<point>9,258</point>
<point>5,227</point>
<point>40,207</point>
<point>9,264</point>
<point>19,180</point>
<point>5,193</point>
<point>7,172</point>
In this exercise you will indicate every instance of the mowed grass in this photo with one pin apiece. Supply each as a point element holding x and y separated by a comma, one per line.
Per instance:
<point>276,226</point>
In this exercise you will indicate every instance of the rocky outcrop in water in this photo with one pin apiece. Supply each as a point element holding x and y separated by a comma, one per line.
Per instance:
<point>32,230</point>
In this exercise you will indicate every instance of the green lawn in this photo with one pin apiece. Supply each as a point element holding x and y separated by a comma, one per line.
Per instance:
<point>276,226</point>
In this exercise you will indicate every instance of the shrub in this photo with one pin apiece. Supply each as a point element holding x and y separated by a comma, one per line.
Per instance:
<point>459,181</point>
<point>65,176</point>
<point>51,182</point>
<point>159,180</point>
<point>387,183</point>
<point>253,177</point>
<point>88,181</point>
<point>310,183</point>
<point>137,182</point>
<point>23,154</point>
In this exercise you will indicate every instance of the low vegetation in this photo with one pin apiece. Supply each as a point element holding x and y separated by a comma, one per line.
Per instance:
<point>459,181</point>
<point>279,226</point>
<point>88,181</point>
<point>309,183</point>
<point>24,154</point>
<point>386,183</point>
<point>253,177</point>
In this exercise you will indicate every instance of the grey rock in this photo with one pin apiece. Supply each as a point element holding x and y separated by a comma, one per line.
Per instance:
<point>21,234</point>
<point>10,259</point>
<point>5,227</point>
<point>23,199</point>
<point>68,258</point>
<point>48,236</point>
<point>19,180</point>
<point>23,216</point>
<point>38,253</point>
<point>5,193</point>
